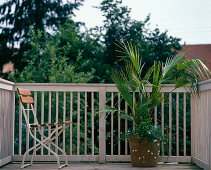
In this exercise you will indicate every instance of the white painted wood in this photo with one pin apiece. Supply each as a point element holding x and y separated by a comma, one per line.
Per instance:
<point>102,126</point>
<point>192,127</point>
<point>209,127</point>
<point>42,115</point>
<point>6,125</point>
<point>71,119</point>
<point>20,130</point>
<point>3,81</point>
<point>200,163</point>
<point>89,87</point>
<point>6,85</point>
<point>85,125</point>
<point>119,125</point>
<point>78,125</point>
<point>177,123</point>
<point>49,117</point>
<point>126,129</point>
<point>35,112</point>
<point>104,88</point>
<point>64,119</point>
<point>13,123</point>
<point>6,160</point>
<point>92,107</point>
<point>184,122</point>
<point>57,117</point>
<point>27,130</point>
<point>112,124</point>
<point>162,123</point>
<point>201,127</point>
<point>170,124</point>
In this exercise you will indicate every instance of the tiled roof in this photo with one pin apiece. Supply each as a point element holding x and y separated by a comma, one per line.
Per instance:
<point>199,51</point>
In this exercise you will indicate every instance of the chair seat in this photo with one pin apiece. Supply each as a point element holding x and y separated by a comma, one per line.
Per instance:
<point>50,124</point>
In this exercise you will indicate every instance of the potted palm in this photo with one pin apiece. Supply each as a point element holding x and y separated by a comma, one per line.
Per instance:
<point>131,82</point>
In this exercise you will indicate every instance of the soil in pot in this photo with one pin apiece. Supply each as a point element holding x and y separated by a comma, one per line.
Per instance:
<point>143,153</point>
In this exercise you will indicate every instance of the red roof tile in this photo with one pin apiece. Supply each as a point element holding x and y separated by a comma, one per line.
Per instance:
<point>199,51</point>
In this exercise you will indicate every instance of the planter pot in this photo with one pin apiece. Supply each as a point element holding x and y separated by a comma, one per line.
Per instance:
<point>143,153</point>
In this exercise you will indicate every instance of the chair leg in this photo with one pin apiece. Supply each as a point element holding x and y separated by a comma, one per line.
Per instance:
<point>64,154</point>
<point>32,159</point>
<point>24,156</point>
<point>56,146</point>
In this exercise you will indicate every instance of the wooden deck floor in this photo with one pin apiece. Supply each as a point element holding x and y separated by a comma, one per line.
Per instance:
<point>94,166</point>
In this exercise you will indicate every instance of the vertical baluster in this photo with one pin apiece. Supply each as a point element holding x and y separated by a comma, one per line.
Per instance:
<point>184,124</point>
<point>93,123</point>
<point>35,112</point>
<point>170,124</point>
<point>42,118</point>
<point>27,129</point>
<point>64,119</point>
<point>112,124</point>
<point>49,118</point>
<point>177,122</point>
<point>119,130</point>
<point>126,129</point>
<point>71,119</point>
<point>20,129</point>
<point>13,123</point>
<point>85,125</point>
<point>162,121</point>
<point>57,117</point>
<point>78,126</point>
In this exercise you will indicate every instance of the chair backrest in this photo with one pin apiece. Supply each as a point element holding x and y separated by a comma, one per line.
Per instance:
<point>25,97</point>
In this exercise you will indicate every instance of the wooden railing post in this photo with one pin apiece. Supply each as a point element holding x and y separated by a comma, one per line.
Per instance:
<point>102,126</point>
<point>6,121</point>
<point>209,112</point>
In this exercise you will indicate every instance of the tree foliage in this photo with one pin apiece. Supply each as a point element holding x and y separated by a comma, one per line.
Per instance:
<point>21,14</point>
<point>153,44</point>
<point>86,50</point>
<point>18,15</point>
<point>47,62</point>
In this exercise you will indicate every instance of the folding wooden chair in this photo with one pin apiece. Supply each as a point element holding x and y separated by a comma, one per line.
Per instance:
<point>57,129</point>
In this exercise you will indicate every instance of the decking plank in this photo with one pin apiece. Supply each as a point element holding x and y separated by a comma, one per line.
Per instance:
<point>108,166</point>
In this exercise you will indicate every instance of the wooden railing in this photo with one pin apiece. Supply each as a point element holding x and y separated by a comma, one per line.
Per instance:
<point>6,121</point>
<point>201,126</point>
<point>93,136</point>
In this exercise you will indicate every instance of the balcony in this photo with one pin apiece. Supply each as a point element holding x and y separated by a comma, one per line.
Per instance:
<point>93,138</point>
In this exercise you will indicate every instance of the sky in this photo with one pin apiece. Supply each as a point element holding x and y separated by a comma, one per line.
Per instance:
<point>186,19</point>
<point>189,20</point>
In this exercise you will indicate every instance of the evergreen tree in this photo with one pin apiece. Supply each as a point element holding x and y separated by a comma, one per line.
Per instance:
<point>18,15</point>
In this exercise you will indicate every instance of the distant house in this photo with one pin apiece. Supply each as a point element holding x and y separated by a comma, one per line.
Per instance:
<point>199,51</point>
<point>8,67</point>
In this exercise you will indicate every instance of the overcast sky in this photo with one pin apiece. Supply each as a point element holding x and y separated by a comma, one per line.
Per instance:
<point>186,19</point>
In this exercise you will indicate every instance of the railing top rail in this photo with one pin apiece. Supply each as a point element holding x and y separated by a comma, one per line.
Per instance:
<point>85,87</point>
<point>6,85</point>
<point>205,85</point>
